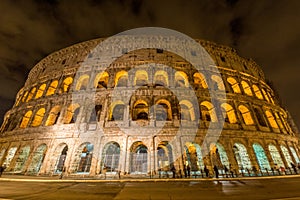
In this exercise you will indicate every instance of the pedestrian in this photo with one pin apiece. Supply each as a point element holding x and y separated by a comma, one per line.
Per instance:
<point>173,171</point>
<point>216,171</point>
<point>206,170</point>
<point>1,170</point>
<point>299,166</point>
<point>180,173</point>
<point>226,171</point>
<point>231,170</point>
<point>62,172</point>
<point>119,174</point>
<point>104,171</point>
<point>184,171</point>
<point>294,167</point>
<point>188,170</point>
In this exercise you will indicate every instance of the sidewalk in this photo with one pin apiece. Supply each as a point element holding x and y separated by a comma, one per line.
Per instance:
<point>23,178</point>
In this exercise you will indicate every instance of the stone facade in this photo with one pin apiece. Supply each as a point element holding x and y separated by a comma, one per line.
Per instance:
<point>148,110</point>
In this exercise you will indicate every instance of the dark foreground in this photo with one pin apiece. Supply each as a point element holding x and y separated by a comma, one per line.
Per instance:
<point>286,188</point>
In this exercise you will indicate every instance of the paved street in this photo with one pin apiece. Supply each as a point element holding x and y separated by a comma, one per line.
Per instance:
<point>285,188</point>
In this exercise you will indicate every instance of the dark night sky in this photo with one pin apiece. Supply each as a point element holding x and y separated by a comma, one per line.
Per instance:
<point>266,30</point>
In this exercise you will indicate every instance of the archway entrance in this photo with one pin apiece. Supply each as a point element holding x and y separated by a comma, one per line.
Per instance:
<point>193,156</point>
<point>164,156</point>
<point>261,157</point>
<point>138,158</point>
<point>287,155</point>
<point>60,155</point>
<point>111,157</point>
<point>37,159</point>
<point>242,157</point>
<point>23,155</point>
<point>275,156</point>
<point>218,156</point>
<point>293,152</point>
<point>10,155</point>
<point>84,157</point>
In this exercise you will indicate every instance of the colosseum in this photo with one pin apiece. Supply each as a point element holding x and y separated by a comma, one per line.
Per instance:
<point>145,110</point>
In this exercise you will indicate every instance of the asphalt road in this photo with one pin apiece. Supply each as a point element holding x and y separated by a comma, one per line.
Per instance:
<point>288,189</point>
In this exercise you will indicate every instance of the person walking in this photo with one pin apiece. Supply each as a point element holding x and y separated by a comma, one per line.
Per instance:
<point>1,170</point>
<point>216,171</point>
<point>173,171</point>
<point>294,167</point>
<point>188,170</point>
<point>226,171</point>
<point>206,170</point>
<point>231,170</point>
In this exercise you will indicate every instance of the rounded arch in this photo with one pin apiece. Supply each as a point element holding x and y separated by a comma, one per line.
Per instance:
<point>22,158</point>
<point>246,115</point>
<point>38,117</point>
<point>116,111</point>
<point>71,113</point>
<point>265,94</point>
<point>82,82</point>
<point>293,152</point>
<point>53,116</point>
<point>261,157</point>
<point>181,79</point>
<point>83,158</point>
<point>37,159</point>
<point>140,110</point>
<point>164,156</point>
<point>246,88</point>
<point>24,96</point>
<point>218,82</point>
<point>163,110</point>
<point>218,156</point>
<point>141,78</point>
<point>10,155</point>
<point>101,80</point>
<point>161,78</point>
<point>121,79</point>
<point>277,160</point>
<point>40,91</point>
<point>187,111</point>
<point>138,158</point>
<point>193,156</point>
<point>59,158</point>
<point>234,85</point>
<point>257,92</point>
<point>199,80</point>
<point>208,112</point>
<point>287,155</point>
<point>241,156</point>
<point>52,87</point>
<point>67,84</point>
<point>31,94</point>
<point>228,113</point>
<point>271,119</point>
<point>111,156</point>
<point>25,119</point>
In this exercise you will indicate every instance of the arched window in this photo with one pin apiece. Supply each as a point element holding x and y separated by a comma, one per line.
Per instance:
<point>121,79</point>
<point>181,79</point>
<point>241,156</point>
<point>218,82</point>
<point>82,82</point>
<point>71,114</point>
<point>67,84</point>
<point>40,91</point>
<point>25,96</point>
<point>95,114</point>
<point>140,110</point>
<point>53,116</point>
<point>246,88</point>
<point>52,88</point>
<point>31,94</point>
<point>260,117</point>
<point>247,118</point>
<point>208,112</point>
<point>141,78</point>
<point>228,113</point>
<point>277,160</point>
<point>271,119</point>
<point>38,118</point>
<point>257,92</point>
<point>187,111</point>
<point>116,111</point>
<point>163,110</point>
<point>234,85</point>
<point>161,78</point>
<point>265,94</point>
<point>199,80</point>
<point>261,157</point>
<point>26,119</point>
<point>101,80</point>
